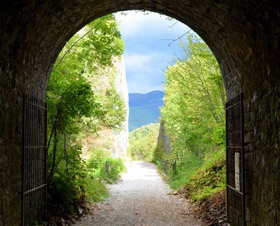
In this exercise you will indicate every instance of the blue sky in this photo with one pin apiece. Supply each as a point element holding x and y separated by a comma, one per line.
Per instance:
<point>147,52</point>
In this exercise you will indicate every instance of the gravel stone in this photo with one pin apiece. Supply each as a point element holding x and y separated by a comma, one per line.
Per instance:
<point>141,198</point>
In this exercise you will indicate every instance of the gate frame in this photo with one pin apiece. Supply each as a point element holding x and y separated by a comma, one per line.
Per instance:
<point>23,192</point>
<point>242,158</point>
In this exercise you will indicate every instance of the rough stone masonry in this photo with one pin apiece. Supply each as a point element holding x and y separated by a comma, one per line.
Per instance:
<point>243,35</point>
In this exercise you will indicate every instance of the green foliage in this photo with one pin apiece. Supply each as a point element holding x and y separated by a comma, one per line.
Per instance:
<point>67,185</point>
<point>194,119</point>
<point>185,169</point>
<point>208,179</point>
<point>101,169</point>
<point>95,189</point>
<point>143,141</point>
<point>76,107</point>
<point>158,155</point>
<point>103,166</point>
<point>114,109</point>
<point>87,179</point>
<point>194,100</point>
<point>90,52</point>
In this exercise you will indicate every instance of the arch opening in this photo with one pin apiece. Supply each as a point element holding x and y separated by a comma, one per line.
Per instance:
<point>59,60</point>
<point>248,65</point>
<point>68,45</point>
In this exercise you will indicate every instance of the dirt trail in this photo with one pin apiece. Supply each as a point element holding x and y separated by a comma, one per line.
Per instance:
<point>141,198</point>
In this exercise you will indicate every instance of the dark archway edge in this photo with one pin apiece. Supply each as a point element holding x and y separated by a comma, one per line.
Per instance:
<point>244,36</point>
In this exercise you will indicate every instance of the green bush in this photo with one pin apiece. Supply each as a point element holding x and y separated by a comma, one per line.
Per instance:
<point>78,180</point>
<point>78,107</point>
<point>95,189</point>
<point>101,165</point>
<point>143,141</point>
<point>193,116</point>
<point>202,178</point>
<point>66,186</point>
<point>185,170</point>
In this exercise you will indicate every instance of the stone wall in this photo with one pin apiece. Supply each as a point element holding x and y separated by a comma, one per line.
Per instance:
<point>163,139</point>
<point>10,148</point>
<point>262,158</point>
<point>163,146</point>
<point>243,35</point>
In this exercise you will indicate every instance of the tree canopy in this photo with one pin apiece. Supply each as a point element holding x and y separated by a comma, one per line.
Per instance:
<point>79,103</point>
<point>194,99</point>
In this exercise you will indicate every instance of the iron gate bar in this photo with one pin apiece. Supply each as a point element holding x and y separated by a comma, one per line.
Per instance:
<point>22,160</point>
<point>235,144</point>
<point>34,189</point>
<point>34,155</point>
<point>36,147</point>
<point>232,188</point>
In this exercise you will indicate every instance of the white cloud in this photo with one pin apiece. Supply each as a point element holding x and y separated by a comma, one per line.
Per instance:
<point>133,22</point>
<point>146,53</point>
<point>150,65</point>
<point>137,23</point>
<point>136,61</point>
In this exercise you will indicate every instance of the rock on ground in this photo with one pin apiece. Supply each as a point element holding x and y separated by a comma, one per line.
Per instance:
<point>141,198</point>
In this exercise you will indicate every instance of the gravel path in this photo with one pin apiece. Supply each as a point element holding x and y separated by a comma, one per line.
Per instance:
<point>141,198</point>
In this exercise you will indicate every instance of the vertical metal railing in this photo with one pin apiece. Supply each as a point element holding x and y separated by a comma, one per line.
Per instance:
<point>235,161</point>
<point>34,156</point>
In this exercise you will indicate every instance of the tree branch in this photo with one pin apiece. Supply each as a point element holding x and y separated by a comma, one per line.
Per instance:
<point>174,40</point>
<point>79,39</point>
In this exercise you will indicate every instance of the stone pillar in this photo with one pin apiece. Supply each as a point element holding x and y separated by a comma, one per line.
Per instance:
<point>10,147</point>
<point>262,157</point>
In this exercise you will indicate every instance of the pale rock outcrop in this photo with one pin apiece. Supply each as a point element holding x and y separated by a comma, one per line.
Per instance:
<point>121,141</point>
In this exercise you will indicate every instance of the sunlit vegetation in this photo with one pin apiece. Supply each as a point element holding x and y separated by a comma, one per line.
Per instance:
<point>142,141</point>
<point>193,117</point>
<point>77,107</point>
<point>82,101</point>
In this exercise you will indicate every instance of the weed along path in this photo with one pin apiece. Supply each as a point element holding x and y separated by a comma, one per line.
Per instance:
<point>141,198</point>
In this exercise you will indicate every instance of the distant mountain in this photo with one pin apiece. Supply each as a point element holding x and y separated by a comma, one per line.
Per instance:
<point>144,108</point>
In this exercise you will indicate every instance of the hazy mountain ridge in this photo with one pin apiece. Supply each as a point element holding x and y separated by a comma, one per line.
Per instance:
<point>144,108</point>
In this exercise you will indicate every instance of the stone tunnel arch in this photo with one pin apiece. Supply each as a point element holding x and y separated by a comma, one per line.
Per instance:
<point>244,36</point>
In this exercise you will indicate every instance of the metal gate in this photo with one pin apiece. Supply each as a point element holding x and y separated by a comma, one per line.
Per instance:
<point>34,153</point>
<point>235,161</point>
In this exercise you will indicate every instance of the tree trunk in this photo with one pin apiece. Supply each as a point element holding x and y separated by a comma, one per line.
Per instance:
<point>54,157</point>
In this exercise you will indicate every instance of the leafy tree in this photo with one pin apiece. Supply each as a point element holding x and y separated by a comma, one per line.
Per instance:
<point>194,100</point>
<point>76,107</point>
<point>143,141</point>
<point>194,119</point>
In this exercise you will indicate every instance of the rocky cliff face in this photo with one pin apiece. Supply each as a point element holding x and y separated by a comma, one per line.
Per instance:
<point>121,137</point>
<point>114,141</point>
<point>164,141</point>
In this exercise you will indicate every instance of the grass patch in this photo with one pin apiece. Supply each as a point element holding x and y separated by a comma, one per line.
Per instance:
<point>184,171</point>
<point>199,178</point>
<point>209,178</point>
